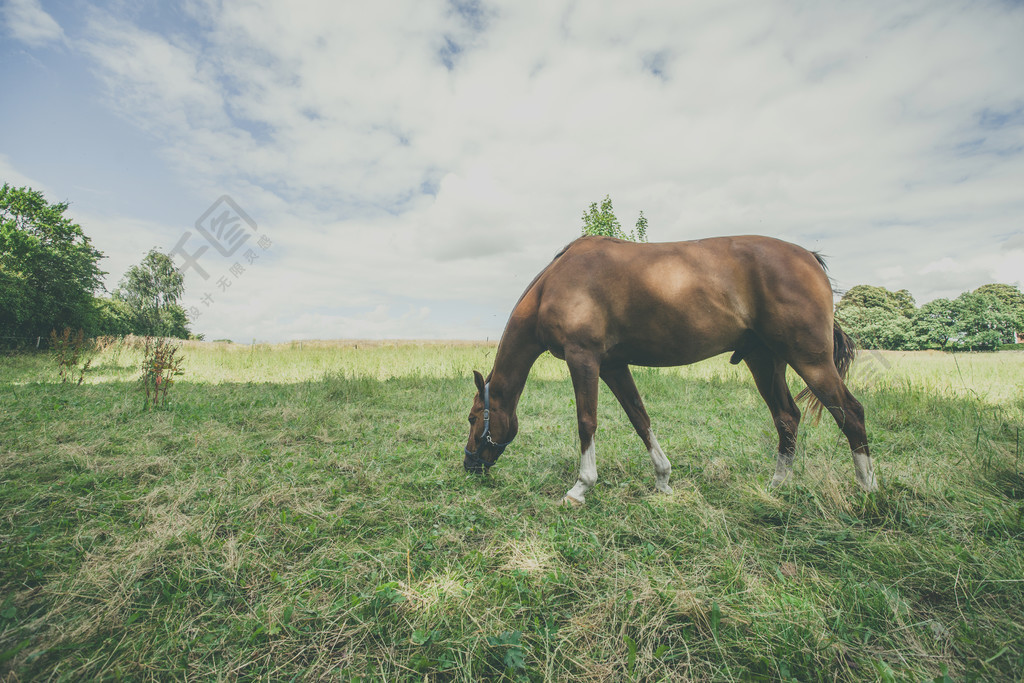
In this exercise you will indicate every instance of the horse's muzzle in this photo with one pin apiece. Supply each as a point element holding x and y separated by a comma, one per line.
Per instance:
<point>473,464</point>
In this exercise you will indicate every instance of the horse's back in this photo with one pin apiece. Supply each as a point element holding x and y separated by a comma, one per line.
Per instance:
<point>746,269</point>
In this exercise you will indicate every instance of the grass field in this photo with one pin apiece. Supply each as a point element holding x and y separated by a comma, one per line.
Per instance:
<point>302,513</point>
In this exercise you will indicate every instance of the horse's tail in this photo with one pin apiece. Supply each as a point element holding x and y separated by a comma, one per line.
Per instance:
<point>844,350</point>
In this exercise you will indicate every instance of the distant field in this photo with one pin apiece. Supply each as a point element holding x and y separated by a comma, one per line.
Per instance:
<point>301,513</point>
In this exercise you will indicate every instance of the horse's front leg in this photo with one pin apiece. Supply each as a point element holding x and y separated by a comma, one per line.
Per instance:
<point>585,371</point>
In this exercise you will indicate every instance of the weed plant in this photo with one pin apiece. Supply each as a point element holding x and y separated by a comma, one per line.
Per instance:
<point>161,364</point>
<point>73,354</point>
<point>302,514</point>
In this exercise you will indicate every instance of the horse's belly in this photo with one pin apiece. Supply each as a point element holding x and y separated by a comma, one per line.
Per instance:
<point>668,334</point>
<point>668,353</point>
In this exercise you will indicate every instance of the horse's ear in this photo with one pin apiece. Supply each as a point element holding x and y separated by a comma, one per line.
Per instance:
<point>479,379</point>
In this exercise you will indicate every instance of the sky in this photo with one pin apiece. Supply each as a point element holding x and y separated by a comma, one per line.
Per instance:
<point>402,169</point>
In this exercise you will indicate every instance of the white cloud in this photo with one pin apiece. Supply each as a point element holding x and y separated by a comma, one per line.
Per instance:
<point>444,151</point>
<point>28,22</point>
<point>158,83</point>
<point>1008,267</point>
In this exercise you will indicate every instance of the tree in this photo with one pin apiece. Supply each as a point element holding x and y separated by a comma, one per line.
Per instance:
<point>1011,302</point>
<point>150,292</point>
<point>878,318</point>
<point>1007,294</point>
<point>113,317</point>
<point>49,269</point>
<point>980,320</point>
<point>984,321</point>
<point>935,324</point>
<point>876,327</point>
<point>602,221</point>
<point>641,228</point>
<point>869,296</point>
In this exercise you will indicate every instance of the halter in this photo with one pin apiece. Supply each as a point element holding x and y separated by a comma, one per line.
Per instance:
<point>474,459</point>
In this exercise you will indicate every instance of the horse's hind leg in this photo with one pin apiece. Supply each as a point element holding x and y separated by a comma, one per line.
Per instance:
<point>620,380</point>
<point>828,387</point>
<point>769,373</point>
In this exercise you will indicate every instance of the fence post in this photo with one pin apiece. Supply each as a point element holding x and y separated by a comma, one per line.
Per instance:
<point>37,342</point>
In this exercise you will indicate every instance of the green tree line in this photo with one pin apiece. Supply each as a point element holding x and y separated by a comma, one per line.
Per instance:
<point>981,320</point>
<point>50,279</point>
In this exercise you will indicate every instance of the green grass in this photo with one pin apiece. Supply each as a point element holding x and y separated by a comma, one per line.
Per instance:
<point>303,514</point>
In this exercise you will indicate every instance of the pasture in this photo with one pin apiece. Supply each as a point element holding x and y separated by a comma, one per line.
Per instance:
<point>302,513</point>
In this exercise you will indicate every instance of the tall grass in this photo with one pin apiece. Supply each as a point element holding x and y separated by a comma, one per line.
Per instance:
<point>302,513</point>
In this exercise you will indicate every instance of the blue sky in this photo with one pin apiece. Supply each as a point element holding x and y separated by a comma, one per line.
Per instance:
<point>411,166</point>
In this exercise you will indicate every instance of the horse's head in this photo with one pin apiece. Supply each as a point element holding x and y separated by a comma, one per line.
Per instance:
<point>491,428</point>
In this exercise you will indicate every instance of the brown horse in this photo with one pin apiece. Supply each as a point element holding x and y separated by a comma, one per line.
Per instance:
<point>604,304</point>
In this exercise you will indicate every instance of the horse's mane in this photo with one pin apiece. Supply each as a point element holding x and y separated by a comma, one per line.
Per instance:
<point>820,258</point>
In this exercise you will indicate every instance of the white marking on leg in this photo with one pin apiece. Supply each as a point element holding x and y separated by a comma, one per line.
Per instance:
<point>587,478</point>
<point>662,467</point>
<point>783,470</point>
<point>865,472</point>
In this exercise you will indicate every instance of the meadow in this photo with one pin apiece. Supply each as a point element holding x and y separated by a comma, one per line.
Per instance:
<point>301,513</point>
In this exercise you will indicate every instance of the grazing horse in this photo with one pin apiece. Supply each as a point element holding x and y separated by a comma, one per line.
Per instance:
<point>604,304</point>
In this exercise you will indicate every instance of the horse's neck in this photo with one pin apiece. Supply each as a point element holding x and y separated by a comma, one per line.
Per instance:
<point>517,352</point>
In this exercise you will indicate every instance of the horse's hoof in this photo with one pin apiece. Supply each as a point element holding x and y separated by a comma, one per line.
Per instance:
<point>570,502</point>
<point>664,488</point>
<point>870,487</point>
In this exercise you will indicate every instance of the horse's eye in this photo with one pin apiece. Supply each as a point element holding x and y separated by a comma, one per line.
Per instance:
<point>472,420</point>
